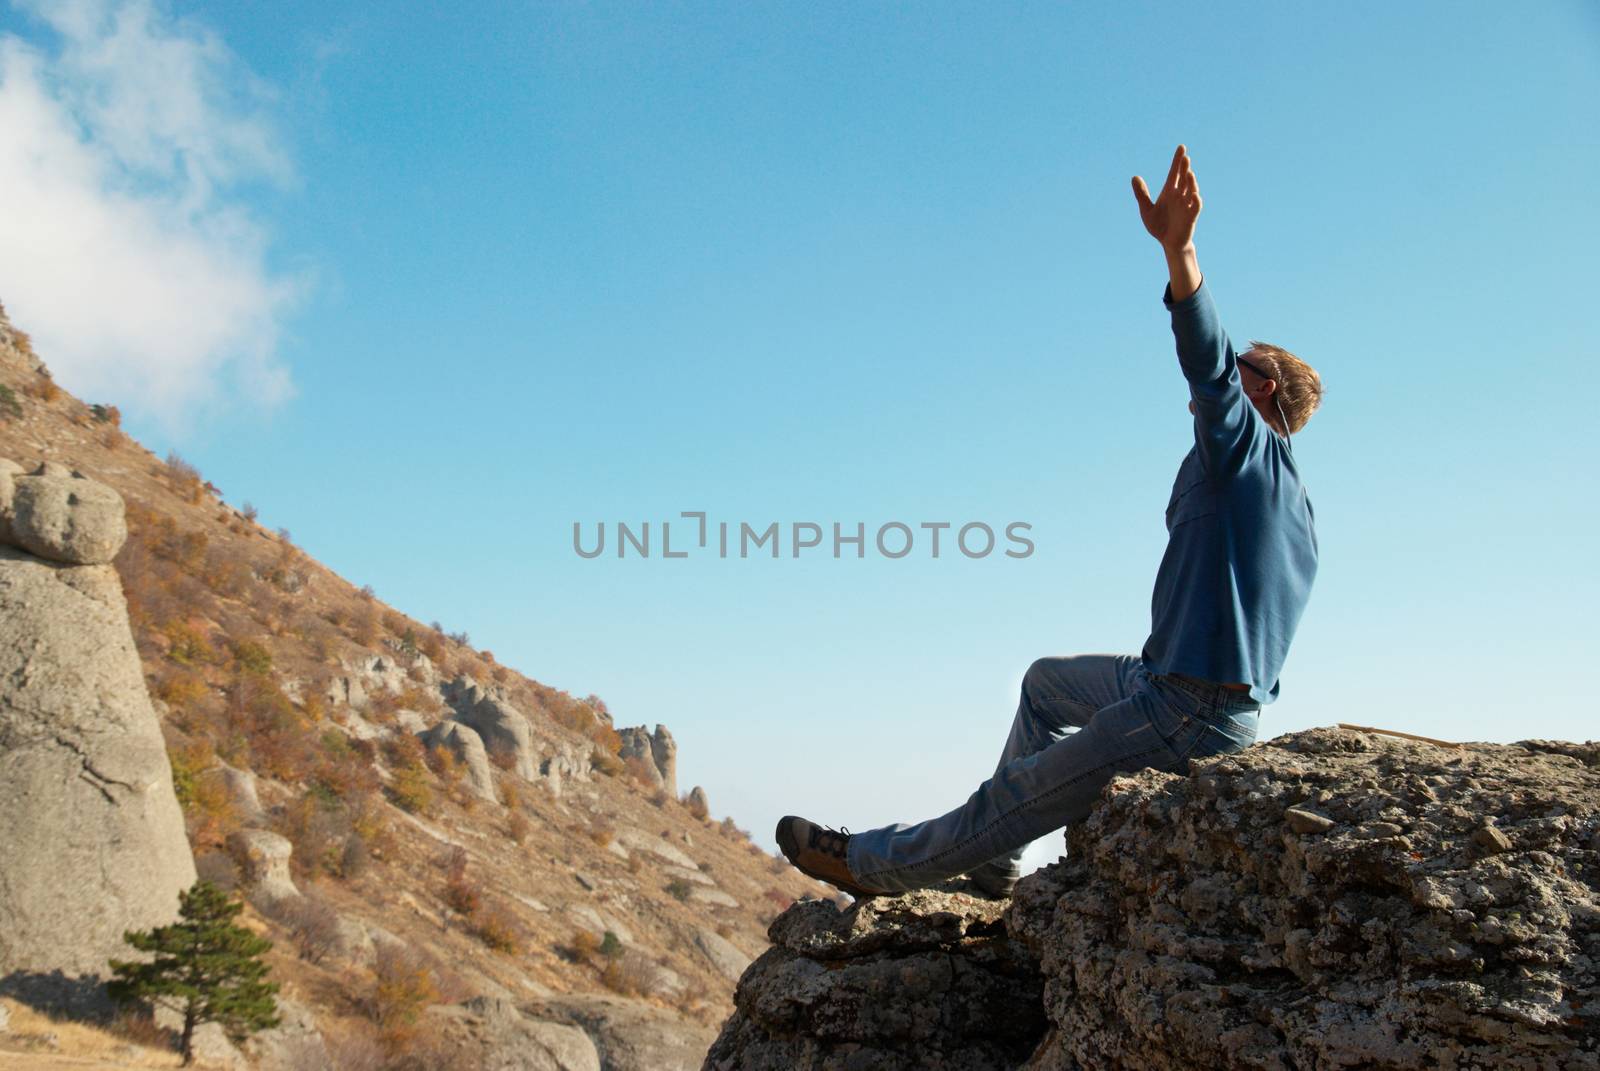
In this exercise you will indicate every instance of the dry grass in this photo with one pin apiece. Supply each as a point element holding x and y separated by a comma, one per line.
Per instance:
<point>77,1044</point>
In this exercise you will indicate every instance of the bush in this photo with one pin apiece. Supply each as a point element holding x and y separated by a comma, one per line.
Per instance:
<point>187,645</point>
<point>181,689</point>
<point>678,889</point>
<point>9,406</point>
<point>184,478</point>
<point>312,923</point>
<point>252,658</point>
<point>403,986</point>
<point>497,928</point>
<point>586,946</point>
<point>606,762</point>
<point>106,414</point>
<point>633,975</point>
<point>411,790</point>
<point>518,827</point>
<point>602,834</point>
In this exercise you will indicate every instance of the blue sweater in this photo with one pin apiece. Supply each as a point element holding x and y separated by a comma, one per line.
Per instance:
<point>1241,545</point>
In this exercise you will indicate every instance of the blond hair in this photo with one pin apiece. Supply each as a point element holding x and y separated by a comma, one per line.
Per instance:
<point>1299,389</point>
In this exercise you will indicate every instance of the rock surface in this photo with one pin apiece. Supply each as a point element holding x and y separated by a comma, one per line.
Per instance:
<point>659,752</point>
<point>92,842</point>
<point>629,1035</point>
<point>500,724</point>
<point>499,1036</point>
<point>1328,899</point>
<point>467,746</point>
<point>56,514</point>
<point>925,980</point>
<point>263,858</point>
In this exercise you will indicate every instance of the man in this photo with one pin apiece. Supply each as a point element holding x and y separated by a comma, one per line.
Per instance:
<point>1241,554</point>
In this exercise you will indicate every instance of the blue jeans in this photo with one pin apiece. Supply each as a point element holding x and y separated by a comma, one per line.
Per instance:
<point>1081,722</point>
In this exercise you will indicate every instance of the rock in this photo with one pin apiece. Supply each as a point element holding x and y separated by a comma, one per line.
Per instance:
<point>1490,839</point>
<point>412,722</point>
<point>924,980</point>
<point>499,1036</point>
<point>694,875</point>
<point>293,1045</point>
<point>699,802</point>
<point>664,750</point>
<point>639,841</point>
<point>1186,930</point>
<point>712,896</point>
<point>263,858</point>
<point>587,918</point>
<point>501,725</point>
<point>1303,821</point>
<point>467,746</point>
<point>565,763</point>
<point>92,842</point>
<point>726,957</point>
<point>5,1010</point>
<point>212,1047</point>
<point>9,471</point>
<point>629,1035</point>
<point>59,515</point>
<point>241,789</point>
<point>659,752</point>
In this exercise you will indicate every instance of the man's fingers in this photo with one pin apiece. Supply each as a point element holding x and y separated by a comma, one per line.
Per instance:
<point>1176,169</point>
<point>1141,193</point>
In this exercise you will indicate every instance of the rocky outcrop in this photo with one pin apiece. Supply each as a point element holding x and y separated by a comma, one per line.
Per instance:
<point>263,859</point>
<point>928,980</point>
<point>494,1033</point>
<point>500,724</point>
<point>699,802</point>
<point>467,747</point>
<point>1331,899</point>
<point>92,841</point>
<point>628,1035</point>
<point>658,751</point>
<point>565,763</point>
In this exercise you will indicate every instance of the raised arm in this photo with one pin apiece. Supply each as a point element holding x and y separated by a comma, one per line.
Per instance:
<point>1224,418</point>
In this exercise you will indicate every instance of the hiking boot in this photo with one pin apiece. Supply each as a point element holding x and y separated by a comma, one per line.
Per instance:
<point>993,880</point>
<point>820,852</point>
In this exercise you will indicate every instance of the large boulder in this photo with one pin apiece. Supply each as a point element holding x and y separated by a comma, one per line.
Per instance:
<point>59,515</point>
<point>1329,899</point>
<point>928,980</point>
<point>263,858</point>
<point>501,725</point>
<point>467,747</point>
<point>92,841</point>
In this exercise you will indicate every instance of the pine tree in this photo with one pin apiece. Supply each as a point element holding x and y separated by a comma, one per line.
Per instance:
<point>205,967</point>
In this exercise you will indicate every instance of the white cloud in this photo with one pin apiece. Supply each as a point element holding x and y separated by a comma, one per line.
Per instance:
<point>128,144</point>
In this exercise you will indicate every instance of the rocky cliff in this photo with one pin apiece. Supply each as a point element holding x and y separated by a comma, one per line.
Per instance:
<point>91,837</point>
<point>1328,899</point>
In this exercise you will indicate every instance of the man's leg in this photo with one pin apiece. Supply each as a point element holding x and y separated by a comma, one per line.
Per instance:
<point>1031,794</point>
<point>1059,696</point>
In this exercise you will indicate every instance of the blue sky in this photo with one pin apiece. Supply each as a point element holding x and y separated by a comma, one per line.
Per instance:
<point>485,271</point>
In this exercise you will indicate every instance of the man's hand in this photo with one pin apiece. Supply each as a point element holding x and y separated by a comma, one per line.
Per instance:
<point>1170,219</point>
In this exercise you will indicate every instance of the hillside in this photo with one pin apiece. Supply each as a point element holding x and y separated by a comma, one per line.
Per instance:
<point>460,837</point>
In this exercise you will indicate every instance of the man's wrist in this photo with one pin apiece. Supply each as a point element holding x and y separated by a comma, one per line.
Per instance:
<point>1178,252</point>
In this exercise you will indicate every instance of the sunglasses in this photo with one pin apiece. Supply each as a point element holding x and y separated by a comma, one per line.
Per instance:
<point>1243,362</point>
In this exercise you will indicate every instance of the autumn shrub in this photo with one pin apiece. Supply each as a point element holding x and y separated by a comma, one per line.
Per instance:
<point>632,974</point>
<point>106,414</point>
<point>518,827</point>
<point>312,924</point>
<point>463,895</point>
<point>184,479</point>
<point>252,658</point>
<point>180,689</point>
<point>586,946</point>
<point>403,985</point>
<point>635,864</point>
<point>601,833</point>
<point>605,762</point>
<point>317,825</point>
<point>678,889</point>
<point>496,927</point>
<point>43,387</point>
<point>411,790</point>
<point>208,810</point>
<point>10,408</point>
<point>780,899</point>
<point>502,754</point>
<point>186,644</point>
